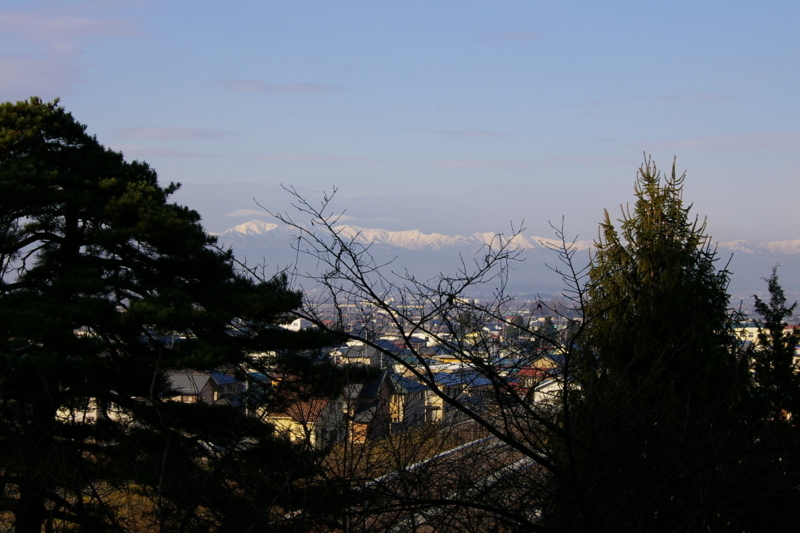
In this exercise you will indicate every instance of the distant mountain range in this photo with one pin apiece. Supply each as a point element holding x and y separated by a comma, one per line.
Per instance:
<point>428,254</point>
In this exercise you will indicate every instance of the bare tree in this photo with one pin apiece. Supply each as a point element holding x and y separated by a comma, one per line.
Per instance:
<point>511,389</point>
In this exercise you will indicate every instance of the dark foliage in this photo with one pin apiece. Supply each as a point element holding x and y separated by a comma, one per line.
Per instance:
<point>105,286</point>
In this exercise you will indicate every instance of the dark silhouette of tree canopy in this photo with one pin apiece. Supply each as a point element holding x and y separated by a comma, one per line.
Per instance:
<point>656,299</point>
<point>774,369</point>
<point>105,286</point>
<point>774,467</point>
<point>660,372</point>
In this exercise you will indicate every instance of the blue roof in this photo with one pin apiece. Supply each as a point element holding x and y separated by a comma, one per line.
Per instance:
<point>408,384</point>
<point>472,379</point>
<point>223,379</point>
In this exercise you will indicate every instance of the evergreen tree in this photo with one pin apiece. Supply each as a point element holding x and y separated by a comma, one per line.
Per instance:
<point>774,369</point>
<point>658,375</point>
<point>771,471</point>
<point>106,285</point>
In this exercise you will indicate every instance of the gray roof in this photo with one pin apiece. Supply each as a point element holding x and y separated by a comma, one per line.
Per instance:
<point>187,382</point>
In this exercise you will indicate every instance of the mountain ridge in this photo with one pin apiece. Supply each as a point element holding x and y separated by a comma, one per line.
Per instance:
<point>416,240</point>
<point>427,255</point>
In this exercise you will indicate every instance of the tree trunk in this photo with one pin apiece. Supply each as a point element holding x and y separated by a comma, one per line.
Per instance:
<point>30,512</point>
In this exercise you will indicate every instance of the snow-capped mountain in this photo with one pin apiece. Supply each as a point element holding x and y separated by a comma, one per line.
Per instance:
<point>254,227</point>
<point>428,254</point>
<point>778,247</point>
<point>406,240</point>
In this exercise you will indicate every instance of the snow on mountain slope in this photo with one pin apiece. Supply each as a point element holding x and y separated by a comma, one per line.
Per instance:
<point>408,239</point>
<point>427,254</point>
<point>784,247</point>
<point>777,247</point>
<point>254,227</point>
<point>416,240</point>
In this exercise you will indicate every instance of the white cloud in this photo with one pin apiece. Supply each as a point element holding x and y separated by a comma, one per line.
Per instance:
<point>21,77</point>
<point>315,158</point>
<point>62,31</point>
<point>245,213</point>
<point>144,152</point>
<point>736,141</point>
<point>339,219</point>
<point>678,96</point>
<point>171,133</point>
<point>44,55</point>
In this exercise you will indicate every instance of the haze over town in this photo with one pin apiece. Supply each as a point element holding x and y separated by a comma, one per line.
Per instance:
<point>441,117</point>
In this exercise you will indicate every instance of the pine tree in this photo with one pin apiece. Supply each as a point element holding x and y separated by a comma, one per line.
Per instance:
<point>104,286</point>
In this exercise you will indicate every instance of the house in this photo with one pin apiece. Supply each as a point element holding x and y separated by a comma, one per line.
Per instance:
<point>371,416</point>
<point>414,404</point>
<point>90,411</point>
<point>547,392</point>
<point>540,382</point>
<point>530,376</point>
<point>298,324</point>
<point>222,389</point>
<point>361,412</point>
<point>315,421</point>
<point>215,388</point>
<point>469,387</point>
<point>188,385</point>
<point>372,355</point>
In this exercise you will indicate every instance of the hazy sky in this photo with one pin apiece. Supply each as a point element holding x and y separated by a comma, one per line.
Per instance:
<point>437,115</point>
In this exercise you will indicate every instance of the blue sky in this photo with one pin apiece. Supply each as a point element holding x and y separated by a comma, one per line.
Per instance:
<point>447,116</point>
